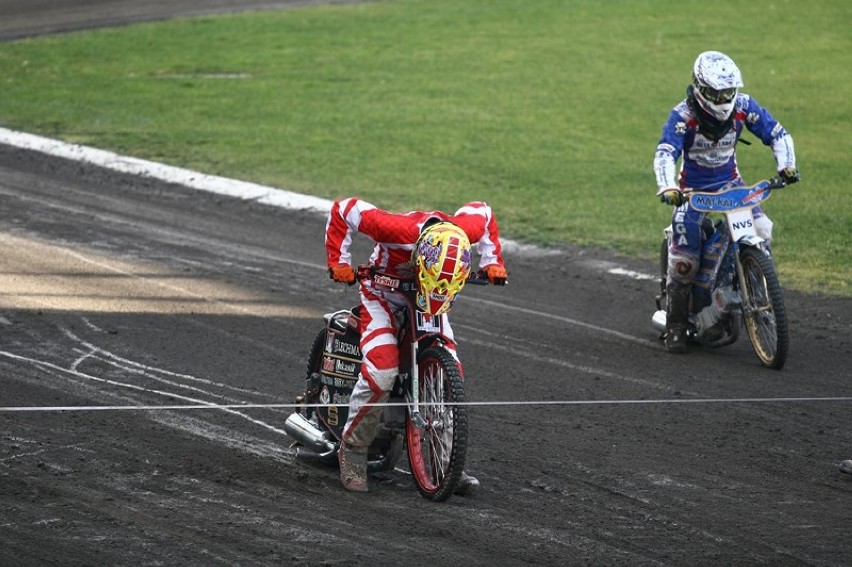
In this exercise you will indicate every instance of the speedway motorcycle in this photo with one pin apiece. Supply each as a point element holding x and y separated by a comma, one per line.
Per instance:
<point>425,413</point>
<point>736,284</point>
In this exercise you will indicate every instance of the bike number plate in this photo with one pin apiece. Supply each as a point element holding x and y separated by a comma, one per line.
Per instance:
<point>741,223</point>
<point>428,323</point>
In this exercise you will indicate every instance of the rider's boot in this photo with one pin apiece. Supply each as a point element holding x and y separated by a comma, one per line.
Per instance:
<point>846,466</point>
<point>468,485</point>
<point>353,467</point>
<point>677,315</point>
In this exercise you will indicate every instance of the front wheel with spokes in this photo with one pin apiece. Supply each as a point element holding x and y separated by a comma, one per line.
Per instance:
<point>437,447</point>
<point>763,309</point>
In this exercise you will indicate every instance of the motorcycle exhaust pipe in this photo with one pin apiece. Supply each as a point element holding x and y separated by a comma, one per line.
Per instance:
<point>658,320</point>
<point>308,434</point>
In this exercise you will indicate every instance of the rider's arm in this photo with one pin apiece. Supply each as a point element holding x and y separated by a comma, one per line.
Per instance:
<point>343,219</point>
<point>763,125</point>
<point>479,223</point>
<point>348,216</point>
<point>670,147</point>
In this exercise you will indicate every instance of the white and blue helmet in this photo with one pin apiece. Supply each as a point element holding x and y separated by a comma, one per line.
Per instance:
<point>716,79</point>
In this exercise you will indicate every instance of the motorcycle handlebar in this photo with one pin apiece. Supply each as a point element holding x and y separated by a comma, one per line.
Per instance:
<point>776,182</point>
<point>367,272</point>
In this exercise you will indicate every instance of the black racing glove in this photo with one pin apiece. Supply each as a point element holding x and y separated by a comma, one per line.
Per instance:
<point>790,175</point>
<point>672,196</point>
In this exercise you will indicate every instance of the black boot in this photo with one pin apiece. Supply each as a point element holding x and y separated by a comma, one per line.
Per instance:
<point>677,314</point>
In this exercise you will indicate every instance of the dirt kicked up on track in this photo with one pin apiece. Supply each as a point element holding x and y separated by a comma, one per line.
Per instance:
<point>123,292</point>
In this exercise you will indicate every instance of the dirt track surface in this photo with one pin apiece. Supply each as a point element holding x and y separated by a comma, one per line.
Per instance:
<point>119,291</point>
<point>27,18</point>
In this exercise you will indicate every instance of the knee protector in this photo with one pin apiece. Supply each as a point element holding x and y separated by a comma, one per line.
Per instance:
<point>381,365</point>
<point>381,378</point>
<point>682,267</point>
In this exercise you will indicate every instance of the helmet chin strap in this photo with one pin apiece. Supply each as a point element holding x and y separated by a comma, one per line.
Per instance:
<point>708,125</point>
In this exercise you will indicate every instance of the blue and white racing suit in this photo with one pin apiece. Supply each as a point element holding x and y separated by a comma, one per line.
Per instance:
<point>709,165</point>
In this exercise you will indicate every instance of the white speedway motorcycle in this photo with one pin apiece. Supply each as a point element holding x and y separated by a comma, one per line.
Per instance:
<point>736,281</point>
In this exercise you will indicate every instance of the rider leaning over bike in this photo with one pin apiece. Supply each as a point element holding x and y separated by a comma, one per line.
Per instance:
<point>434,249</point>
<point>704,128</point>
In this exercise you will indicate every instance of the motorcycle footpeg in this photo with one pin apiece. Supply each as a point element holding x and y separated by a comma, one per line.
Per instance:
<point>312,381</point>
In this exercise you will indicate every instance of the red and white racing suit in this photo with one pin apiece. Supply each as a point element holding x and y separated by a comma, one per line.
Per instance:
<point>394,236</point>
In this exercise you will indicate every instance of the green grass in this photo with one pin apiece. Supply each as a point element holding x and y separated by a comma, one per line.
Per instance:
<point>548,110</point>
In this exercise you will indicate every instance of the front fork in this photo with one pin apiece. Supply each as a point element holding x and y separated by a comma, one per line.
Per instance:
<point>747,301</point>
<point>414,394</point>
<point>741,288</point>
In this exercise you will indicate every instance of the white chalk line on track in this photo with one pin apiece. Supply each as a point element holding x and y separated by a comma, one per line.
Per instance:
<point>193,179</point>
<point>563,319</point>
<point>228,408</point>
<point>153,373</point>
